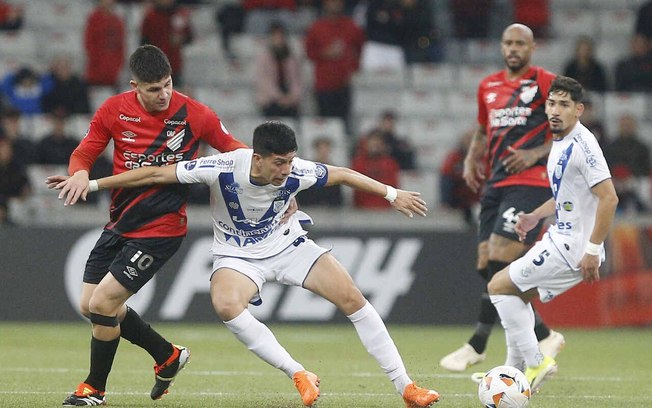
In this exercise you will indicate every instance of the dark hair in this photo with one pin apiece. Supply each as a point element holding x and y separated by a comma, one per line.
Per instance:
<point>149,64</point>
<point>568,85</point>
<point>274,137</point>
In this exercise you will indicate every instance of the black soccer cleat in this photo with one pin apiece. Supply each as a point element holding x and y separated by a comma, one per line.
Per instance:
<point>165,373</point>
<point>85,396</point>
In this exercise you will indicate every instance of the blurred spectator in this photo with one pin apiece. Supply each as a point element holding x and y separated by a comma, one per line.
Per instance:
<point>11,16</point>
<point>57,146</point>
<point>24,90</point>
<point>471,18</point>
<point>14,182</point>
<point>330,196</point>
<point>385,29</point>
<point>333,43</point>
<point>21,144</point>
<point>168,27</point>
<point>629,160</point>
<point>230,20</point>
<point>634,73</point>
<point>259,15</point>
<point>644,20</point>
<point>69,93</point>
<point>278,76</point>
<point>104,42</point>
<point>454,193</point>
<point>585,68</point>
<point>421,39</point>
<point>594,123</point>
<point>399,146</point>
<point>376,162</point>
<point>534,14</point>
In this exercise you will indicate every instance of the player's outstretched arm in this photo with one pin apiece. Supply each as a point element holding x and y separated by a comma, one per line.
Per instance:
<point>407,202</point>
<point>143,176</point>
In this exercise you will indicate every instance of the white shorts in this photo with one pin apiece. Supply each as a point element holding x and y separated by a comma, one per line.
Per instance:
<point>544,268</point>
<point>289,267</point>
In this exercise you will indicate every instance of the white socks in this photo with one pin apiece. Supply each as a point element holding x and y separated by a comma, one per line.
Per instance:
<point>379,344</point>
<point>259,339</point>
<point>517,317</point>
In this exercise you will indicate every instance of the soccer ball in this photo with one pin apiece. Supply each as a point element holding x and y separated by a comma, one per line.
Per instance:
<point>504,387</point>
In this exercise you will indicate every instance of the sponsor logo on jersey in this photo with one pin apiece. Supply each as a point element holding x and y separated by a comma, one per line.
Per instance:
<point>129,136</point>
<point>174,122</point>
<point>233,188</point>
<point>494,83</point>
<point>567,206</point>
<point>134,160</point>
<point>216,163</point>
<point>190,165</point>
<point>508,117</point>
<point>129,118</point>
<point>590,158</point>
<point>234,205</point>
<point>281,193</point>
<point>490,97</point>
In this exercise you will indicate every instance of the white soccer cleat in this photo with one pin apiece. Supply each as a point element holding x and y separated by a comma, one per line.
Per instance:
<point>552,345</point>
<point>462,358</point>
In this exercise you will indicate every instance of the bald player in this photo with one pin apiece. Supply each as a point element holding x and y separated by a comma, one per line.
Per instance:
<point>507,162</point>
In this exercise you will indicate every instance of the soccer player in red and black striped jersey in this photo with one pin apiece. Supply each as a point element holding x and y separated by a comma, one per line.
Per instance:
<point>508,156</point>
<point>150,125</point>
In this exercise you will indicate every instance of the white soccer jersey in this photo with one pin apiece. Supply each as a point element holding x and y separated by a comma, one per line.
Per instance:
<point>246,216</point>
<point>575,164</point>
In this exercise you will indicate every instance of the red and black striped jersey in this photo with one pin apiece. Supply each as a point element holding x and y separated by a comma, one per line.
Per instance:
<point>141,138</point>
<point>513,115</point>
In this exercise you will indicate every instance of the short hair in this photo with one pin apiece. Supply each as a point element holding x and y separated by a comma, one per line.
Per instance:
<point>274,137</point>
<point>149,64</point>
<point>568,85</point>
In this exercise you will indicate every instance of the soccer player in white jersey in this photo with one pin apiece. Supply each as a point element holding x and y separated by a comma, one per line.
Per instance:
<point>250,190</point>
<point>584,203</point>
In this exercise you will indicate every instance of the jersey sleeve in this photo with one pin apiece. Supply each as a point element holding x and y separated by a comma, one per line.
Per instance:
<point>94,142</point>
<point>593,165</point>
<point>312,174</point>
<point>202,170</point>
<point>216,134</point>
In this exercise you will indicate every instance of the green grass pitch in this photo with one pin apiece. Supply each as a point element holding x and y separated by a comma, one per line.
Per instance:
<point>43,362</point>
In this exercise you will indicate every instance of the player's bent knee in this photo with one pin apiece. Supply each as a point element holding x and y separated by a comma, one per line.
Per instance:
<point>102,320</point>
<point>227,309</point>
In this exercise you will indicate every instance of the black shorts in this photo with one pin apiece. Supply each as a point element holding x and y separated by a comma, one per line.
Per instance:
<point>499,207</point>
<point>132,261</point>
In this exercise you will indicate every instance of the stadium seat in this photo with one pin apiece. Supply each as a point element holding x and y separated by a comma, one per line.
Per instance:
<point>424,103</point>
<point>21,45</point>
<point>55,14</point>
<point>617,23</point>
<point>241,126</point>
<point>433,76</point>
<point>98,94</point>
<point>433,139</point>
<point>313,127</point>
<point>425,182</point>
<point>469,76</point>
<point>228,101</point>
<point>481,52</point>
<point>553,54</point>
<point>373,102</point>
<point>380,79</point>
<point>571,23</point>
